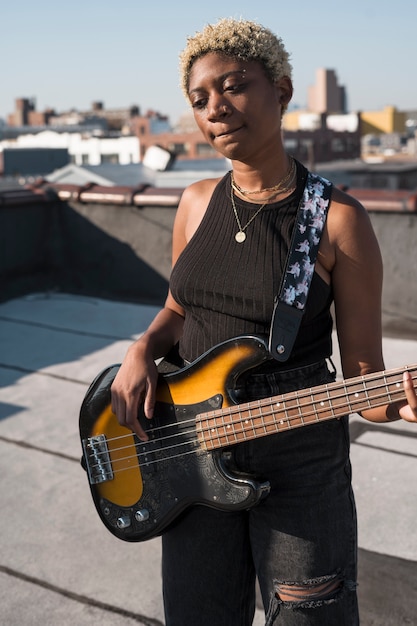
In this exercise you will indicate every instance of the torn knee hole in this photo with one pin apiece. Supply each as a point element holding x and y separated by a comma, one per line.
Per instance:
<point>314,590</point>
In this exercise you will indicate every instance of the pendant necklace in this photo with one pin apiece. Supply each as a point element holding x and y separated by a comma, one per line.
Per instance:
<point>241,235</point>
<point>285,185</point>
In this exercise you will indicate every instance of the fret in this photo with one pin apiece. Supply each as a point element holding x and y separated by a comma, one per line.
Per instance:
<point>281,420</point>
<point>349,406</point>
<point>299,410</point>
<point>245,425</point>
<point>367,393</point>
<point>315,414</point>
<point>253,425</point>
<point>287,421</point>
<point>358,396</point>
<point>293,414</point>
<point>219,428</point>
<point>393,387</point>
<point>336,402</point>
<point>329,403</point>
<point>245,428</point>
<point>262,418</point>
<point>225,426</point>
<point>215,434</point>
<point>322,409</point>
<point>229,428</point>
<point>235,425</point>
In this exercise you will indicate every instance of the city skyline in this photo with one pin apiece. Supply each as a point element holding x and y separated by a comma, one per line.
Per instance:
<point>67,57</point>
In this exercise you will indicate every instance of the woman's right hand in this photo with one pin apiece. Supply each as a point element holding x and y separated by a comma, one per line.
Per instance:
<point>136,381</point>
<point>134,385</point>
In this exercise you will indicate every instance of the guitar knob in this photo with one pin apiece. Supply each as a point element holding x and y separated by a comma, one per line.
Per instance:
<point>123,522</point>
<point>142,515</point>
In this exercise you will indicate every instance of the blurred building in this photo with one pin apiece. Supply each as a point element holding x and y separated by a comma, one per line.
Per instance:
<point>326,95</point>
<point>91,148</point>
<point>18,162</point>
<point>323,132</point>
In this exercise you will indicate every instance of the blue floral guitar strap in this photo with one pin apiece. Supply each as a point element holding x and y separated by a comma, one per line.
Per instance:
<point>290,303</point>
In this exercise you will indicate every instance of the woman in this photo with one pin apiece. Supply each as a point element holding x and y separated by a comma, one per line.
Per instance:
<point>230,244</point>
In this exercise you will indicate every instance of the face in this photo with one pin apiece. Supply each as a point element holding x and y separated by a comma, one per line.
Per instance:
<point>235,105</point>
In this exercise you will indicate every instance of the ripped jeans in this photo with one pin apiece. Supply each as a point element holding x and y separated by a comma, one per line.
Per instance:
<point>299,542</point>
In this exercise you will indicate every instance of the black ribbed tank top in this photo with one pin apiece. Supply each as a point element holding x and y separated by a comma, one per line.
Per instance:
<point>227,288</point>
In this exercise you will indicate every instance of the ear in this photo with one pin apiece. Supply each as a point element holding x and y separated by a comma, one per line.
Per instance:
<point>285,91</point>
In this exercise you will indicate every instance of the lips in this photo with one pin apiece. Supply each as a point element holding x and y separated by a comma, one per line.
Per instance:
<point>226,133</point>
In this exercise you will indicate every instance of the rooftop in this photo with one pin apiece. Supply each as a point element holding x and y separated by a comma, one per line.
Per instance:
<point>60,565</point>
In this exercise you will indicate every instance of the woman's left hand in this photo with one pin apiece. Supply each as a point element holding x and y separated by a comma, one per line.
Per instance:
<point>408,412</point>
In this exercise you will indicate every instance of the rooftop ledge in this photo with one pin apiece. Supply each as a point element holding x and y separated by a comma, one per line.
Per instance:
<point>44,191</point>
<point>375,200</point>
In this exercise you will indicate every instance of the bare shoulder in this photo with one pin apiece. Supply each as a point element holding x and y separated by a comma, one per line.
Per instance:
<point>193,205</point>
<point>348,220</point>
<point>199,190</point>
<point>351,239</point>
<point>345,207</point>
<point>348,234</point>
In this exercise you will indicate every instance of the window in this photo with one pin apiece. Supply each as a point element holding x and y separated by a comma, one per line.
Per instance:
<point>204,149</point>
<point>178,148</point>
<point>110,158</point>
<point>338,144</point>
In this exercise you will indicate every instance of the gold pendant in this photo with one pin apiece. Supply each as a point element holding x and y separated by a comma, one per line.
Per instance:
<point>240,236</point>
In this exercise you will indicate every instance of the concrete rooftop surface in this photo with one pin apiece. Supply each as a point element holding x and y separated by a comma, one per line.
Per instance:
<point>59,565</point>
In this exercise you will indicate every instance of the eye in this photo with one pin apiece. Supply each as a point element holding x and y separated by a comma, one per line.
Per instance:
<point>231,87</point>
<point>198,100</point>
<point>234,84</point>
<point>199,103</point>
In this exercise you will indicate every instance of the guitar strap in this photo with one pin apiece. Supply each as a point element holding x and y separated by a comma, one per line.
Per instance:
<point>290,303</point>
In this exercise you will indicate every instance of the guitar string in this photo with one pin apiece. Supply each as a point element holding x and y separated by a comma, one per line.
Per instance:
<point>288,422</point>
<point>237,409</point>
<point>300,395</point>
<point>286,400</point>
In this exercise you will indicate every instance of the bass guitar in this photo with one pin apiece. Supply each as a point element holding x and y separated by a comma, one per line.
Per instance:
<point>139,488</point>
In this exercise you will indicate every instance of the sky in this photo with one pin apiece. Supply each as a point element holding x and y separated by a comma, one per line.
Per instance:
<point>67,55</point>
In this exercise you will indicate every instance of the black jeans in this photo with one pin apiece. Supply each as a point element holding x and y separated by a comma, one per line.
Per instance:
<point>301,536</point>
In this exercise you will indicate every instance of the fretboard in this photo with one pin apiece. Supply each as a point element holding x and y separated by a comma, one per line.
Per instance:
<point>242,422</point>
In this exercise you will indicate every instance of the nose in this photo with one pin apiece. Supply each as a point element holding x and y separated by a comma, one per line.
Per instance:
<point>217,109</point>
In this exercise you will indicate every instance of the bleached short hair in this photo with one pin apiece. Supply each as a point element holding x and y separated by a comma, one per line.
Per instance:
<point>240,39</point>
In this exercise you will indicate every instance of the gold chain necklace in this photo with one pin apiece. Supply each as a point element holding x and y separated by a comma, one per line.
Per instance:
<point>282,186</point>
<point>241,235</point>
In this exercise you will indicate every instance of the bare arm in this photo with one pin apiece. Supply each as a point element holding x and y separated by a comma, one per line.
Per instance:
<point>137,377</point>
<point>355,264</point>
<point>136,380</point>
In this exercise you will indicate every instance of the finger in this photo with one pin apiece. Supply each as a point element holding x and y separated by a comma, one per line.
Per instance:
<point>410,392</point>
<point>118,404</point>
<point>149,402</point>
<point>138,430</point>
<point>126,415</point>
<point>118,409</point>
<point>133,423</point>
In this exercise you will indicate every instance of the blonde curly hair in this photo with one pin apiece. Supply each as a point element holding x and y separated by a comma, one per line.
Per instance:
<point>240,39</point>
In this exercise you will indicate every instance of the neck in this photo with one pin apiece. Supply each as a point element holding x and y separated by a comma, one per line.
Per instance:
<point>248,186</point>
<point>264,172</point>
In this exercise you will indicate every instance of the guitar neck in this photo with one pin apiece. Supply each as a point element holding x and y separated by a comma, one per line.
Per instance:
<point>243,422</point>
